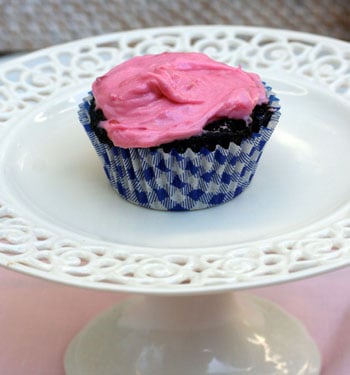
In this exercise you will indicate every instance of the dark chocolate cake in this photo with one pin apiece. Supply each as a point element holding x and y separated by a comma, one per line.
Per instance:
<point>219,132</point>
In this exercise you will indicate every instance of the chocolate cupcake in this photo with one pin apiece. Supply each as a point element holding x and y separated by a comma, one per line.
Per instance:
<point>179,131</point>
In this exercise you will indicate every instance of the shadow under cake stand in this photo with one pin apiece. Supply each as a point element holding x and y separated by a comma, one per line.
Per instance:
<point>60,220</point>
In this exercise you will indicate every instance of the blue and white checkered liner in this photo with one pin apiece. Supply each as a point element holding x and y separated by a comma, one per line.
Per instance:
<point>181,182</point>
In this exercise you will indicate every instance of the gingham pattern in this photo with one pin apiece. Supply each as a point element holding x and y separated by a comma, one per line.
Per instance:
<point>180,182</point>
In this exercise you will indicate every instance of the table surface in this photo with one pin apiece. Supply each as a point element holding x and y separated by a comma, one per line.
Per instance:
<point>38,318</point>
<point>36,24</point>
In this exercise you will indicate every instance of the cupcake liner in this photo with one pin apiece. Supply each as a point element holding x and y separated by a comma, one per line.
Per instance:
<point>191,180</point>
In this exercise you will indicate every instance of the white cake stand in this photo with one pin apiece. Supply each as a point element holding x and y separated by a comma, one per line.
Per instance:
<point>60,220</point>
<point>197,335</point>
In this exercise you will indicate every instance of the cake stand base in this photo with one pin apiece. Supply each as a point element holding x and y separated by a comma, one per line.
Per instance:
<point>193,335</point>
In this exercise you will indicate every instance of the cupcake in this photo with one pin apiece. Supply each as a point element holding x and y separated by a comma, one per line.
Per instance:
<point>179,131</point>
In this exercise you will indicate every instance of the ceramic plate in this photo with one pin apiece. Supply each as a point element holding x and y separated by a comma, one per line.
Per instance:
<point>60,220</point>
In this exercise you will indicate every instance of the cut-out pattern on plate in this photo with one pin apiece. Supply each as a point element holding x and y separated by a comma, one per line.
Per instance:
<point>40,251</point>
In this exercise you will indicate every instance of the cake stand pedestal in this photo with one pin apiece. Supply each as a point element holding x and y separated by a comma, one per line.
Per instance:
<point>226,333</point>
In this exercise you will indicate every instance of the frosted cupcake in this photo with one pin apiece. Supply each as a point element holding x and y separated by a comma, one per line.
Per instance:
<point>179,131</point>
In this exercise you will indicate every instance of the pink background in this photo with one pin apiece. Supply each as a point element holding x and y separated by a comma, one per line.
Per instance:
<point>39,318</point>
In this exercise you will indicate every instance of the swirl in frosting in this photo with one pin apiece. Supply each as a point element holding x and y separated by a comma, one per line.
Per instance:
<point>155,99</point>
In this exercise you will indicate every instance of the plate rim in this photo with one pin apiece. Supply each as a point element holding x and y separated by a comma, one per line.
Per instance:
<point>176,288</point>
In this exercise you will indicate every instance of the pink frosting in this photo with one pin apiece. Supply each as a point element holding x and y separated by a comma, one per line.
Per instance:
<point>155,99</point>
